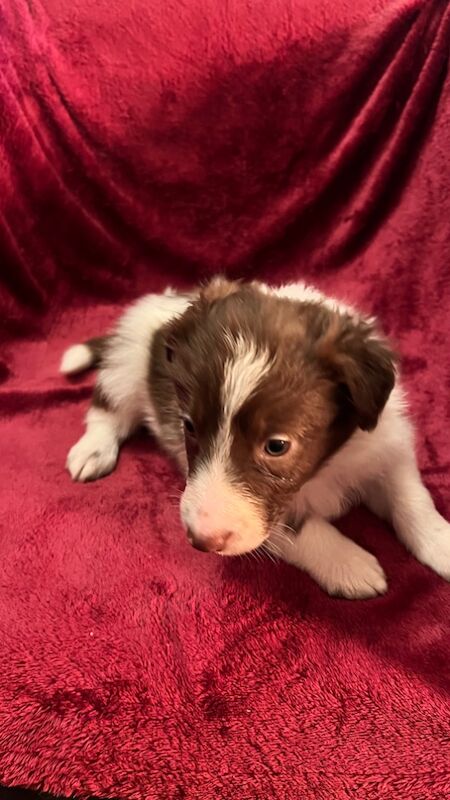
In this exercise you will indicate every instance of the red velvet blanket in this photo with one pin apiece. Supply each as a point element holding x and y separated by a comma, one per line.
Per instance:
<point>142,143</point>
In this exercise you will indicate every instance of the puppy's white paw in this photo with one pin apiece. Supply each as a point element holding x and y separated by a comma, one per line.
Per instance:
<point>358,578</point>
<point>435,550</point>
<point>92,457</point>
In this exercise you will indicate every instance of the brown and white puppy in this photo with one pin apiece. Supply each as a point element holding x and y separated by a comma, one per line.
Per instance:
<point>281,407</point>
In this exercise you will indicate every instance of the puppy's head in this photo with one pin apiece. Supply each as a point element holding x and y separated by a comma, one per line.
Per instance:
<point>268,389</point>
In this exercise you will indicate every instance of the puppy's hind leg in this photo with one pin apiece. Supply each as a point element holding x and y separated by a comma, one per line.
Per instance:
<point>96,453</point>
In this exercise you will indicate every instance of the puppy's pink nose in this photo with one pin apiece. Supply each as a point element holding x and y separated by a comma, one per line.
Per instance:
<point>210,543</point>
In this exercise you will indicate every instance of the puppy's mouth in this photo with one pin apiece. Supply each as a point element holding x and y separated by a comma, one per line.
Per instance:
<point>243,550</point>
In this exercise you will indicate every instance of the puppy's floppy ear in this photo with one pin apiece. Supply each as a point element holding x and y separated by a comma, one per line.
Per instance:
<point>362,363</point>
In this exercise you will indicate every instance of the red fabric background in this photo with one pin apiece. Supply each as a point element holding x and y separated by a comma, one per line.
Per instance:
<point>151,142</point>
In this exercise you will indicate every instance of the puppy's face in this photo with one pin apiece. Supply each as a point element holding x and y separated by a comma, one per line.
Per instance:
<point>268,389</point>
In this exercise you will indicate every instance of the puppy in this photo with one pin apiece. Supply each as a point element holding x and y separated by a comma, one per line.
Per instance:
<point>282,408</point>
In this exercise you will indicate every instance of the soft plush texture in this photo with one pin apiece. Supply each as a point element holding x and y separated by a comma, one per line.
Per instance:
<point>145,143</point>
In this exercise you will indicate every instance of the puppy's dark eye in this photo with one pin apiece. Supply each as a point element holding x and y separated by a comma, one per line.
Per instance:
<point>277,447</point>
<point>169,353</point>
<point>189,426</point>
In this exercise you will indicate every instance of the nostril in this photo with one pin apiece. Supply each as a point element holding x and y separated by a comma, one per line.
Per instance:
<point>212,543</point>
<point>201,544</point>
<point>221,541</point>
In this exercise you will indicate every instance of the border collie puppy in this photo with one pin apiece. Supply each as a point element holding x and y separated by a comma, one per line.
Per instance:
<point>282,408</point>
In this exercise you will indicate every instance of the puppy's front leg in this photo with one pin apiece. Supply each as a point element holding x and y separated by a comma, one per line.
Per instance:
<point>95,454</point>
<point>402,498</point>
<point>338,565</point>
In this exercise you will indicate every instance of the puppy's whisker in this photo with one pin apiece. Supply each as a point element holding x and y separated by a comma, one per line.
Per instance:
<point>284,526</point>
<point>283,531</point>
<point>274,548</point>
<point>281,538</point>
<point>271,547</point>
<point>265,549</point>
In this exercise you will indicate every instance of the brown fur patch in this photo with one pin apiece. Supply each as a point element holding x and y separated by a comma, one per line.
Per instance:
<point>97,345</point>
<point>99,399</point>
<point>218,289</point>
<point>164,397</point>
<point>360,361</point>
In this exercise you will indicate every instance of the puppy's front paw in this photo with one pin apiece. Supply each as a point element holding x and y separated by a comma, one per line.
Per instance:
<point>91,458</point>
<point>358,578</point>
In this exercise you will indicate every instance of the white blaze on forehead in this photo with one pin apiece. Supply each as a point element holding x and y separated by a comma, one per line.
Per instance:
<point>242,374</point>
<point>212,500</point>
